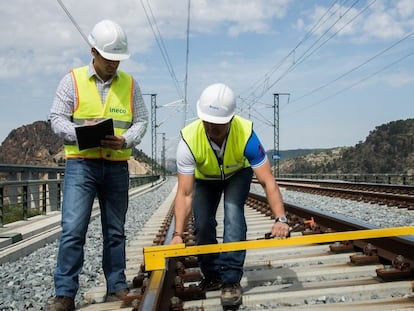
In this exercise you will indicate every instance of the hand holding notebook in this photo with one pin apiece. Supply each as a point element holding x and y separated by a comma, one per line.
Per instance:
<point>90,135</point>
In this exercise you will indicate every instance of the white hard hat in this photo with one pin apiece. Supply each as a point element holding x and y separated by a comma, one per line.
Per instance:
<point>108,38</point>
<point>217,104</point>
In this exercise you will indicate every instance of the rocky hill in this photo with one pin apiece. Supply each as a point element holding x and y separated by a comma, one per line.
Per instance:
<point>33,144</point>
<point>310,163</point>
<point>36,144</point>
<point>388,149</point>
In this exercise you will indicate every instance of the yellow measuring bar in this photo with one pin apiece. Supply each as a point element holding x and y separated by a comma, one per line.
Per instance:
<point>155,256</point>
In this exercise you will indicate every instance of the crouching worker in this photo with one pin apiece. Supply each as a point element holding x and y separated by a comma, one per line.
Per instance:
<point>217,155</point>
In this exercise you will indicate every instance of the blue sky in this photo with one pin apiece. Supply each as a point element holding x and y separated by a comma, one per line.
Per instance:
<point>347,66</point>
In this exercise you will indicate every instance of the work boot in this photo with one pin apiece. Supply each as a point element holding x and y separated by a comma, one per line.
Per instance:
<point>231,295</point>
<point>209,285</point>
<point>119,295</point>
<point>61,303</point>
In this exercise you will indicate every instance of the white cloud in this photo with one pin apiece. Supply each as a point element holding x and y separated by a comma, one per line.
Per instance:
<point>237,16</point>
<point>398,79</point>
<point>236,41</point>
<point>405,8</point>
<point>367,21</point>
<point>383,25</point>
<point>38,34</point>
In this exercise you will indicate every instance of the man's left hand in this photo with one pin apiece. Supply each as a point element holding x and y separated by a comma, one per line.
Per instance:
<point>113,142</point>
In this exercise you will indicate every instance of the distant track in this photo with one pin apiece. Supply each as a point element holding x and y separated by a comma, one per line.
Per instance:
<point>401,196</point>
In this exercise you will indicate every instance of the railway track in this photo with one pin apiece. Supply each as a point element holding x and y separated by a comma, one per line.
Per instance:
<point>401,196</point>
<point>369,274</point>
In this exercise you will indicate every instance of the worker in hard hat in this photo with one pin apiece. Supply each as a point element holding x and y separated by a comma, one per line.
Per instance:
<point>84,96</point>
<point>217,155</point>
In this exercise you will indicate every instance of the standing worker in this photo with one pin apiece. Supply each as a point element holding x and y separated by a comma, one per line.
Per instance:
<point>217,155</point>
<point>84,96</point>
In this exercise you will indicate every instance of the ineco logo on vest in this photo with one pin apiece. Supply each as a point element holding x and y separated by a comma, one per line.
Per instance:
<point>117,110</point>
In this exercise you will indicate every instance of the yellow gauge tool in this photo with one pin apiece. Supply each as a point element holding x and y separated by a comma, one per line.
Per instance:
<point>155,256</point>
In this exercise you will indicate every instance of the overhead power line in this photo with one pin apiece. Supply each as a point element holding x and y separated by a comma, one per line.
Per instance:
<point>359,81</point>
<point>264,84</point>
<point>186,61</point>
<point>310,52</point>
<point>160,42</point>
<point>352,85</point>
<point>331,11</point>
<point>164,53</point>
<point>73,21</point>
<point>356,67</point>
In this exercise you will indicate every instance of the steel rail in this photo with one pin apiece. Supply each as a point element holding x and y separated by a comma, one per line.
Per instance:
<point>152,295</point>
<point>396,195</point>
<point>399,188</point>
<point>388,247</point>
<point>155,256</point>
<point>159,291</point>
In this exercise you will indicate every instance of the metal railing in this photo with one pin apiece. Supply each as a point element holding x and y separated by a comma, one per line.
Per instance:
<point>39,197</point>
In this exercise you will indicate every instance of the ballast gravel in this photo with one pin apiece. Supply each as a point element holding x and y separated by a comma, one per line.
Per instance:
<point>374,214</point>
<point>27,283</point>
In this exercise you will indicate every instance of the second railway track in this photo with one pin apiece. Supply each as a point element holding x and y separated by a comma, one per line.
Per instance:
<point>401,196</point>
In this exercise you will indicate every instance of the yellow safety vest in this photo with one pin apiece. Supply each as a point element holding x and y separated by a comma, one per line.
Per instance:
<point>207,165</point>
<point>118,106</point>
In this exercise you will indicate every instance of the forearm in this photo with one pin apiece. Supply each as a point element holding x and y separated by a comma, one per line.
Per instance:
<point>62,110</point>
<point>182,211</point>
<point>274,198</point>
<point>62,126</point>
<point>136,132</point>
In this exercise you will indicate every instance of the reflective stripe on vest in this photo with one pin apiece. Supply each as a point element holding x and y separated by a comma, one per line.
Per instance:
<point>207,164</point>
<point>118,106</point>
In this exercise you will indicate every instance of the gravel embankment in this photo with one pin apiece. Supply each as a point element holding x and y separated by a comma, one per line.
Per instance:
<point>27,283</point>
<point>376,215</point>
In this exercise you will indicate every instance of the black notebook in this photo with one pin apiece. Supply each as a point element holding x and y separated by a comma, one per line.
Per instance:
<point>90,136</point>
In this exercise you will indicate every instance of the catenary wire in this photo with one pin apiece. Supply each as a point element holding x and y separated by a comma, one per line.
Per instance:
<point>336,32</point>
<point>265,86</point>
<point>186,61</point>
<point>160,42</point>
<point>303,56</point>
<point>355,68</point>
<point>73,21</point>
<point>357,82</point>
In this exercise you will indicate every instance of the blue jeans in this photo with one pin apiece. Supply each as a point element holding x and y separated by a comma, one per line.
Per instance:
<point>84,180</point>
<point>207,194</point>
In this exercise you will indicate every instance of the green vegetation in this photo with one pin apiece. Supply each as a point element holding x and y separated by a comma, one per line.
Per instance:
<point>288,154</point>
<point>15,213</point>
<point>388,149</point>
<point>140,156</point>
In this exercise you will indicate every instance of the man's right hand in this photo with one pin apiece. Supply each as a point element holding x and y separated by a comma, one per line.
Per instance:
<point>176,240</point>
